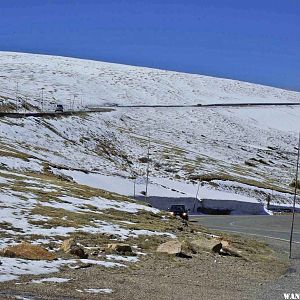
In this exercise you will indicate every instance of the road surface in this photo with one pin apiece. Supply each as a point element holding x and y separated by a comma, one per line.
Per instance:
<point>275,230</point>
<point>114,107</point>
<point>253,104</point>
<point>272,227</point>
<point>53,113</point>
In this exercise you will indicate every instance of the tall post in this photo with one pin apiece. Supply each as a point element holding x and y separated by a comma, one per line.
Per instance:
<point>25,98</point>
<point>74,102</point>
<point>196,198</point>
<point>147,172</point>
<point>42,106</point>
<point>295,196</point>
<point>134,182</point>
<point>17,96</point>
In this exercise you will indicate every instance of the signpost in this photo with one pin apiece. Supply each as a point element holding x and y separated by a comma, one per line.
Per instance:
<point>294,202</point>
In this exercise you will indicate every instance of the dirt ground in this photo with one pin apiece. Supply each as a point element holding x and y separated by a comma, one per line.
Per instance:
<point>156,276</point>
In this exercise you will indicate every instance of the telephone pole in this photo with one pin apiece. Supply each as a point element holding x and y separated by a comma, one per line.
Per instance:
<point>147,171</point>
<point>196,198</point>
<point>74,101</point>
<point>42,100</point>
<point>295,196</point>
<point>17,96</point>
<point>134,183</point>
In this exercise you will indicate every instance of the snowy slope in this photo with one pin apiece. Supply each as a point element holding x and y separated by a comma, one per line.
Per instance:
<point>248,151</point>
<point>55,172</point>
<point>98,83</point>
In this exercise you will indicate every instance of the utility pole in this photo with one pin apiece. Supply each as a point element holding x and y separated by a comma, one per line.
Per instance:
<point>196,199</point>
<point>42,99</point>
<point>295,196</point>
<point>147,172</point>
<point>74,101</point>
<point>134,183</point>
<point>25,105</point>
<point>17,95</point>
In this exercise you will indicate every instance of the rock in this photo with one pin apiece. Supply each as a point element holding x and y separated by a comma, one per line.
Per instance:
<point>217,248</point>
<point>206,244</point>
<point>71,247</point>
<point>83,266</point>
<point>67,245</point>
<point>170,247</point>
<point>224,248</point>
<point>293,183</point>
<point>183,255</point>
<point>175,247</point>
<point>28,251</point>
<point>120,248</point>
<point>78,251</point>
<point>224,244</point>
<point>227,249</point>
<point>250,163</point>
<point>144,160</point>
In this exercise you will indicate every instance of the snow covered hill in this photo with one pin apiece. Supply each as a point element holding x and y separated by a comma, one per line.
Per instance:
<point>59,176</point>
<point>242,151</point>
<point>99,83</point>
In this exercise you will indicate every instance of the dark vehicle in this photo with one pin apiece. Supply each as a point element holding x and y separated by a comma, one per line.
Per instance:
<point>180,211</point>
<point>59,108</point>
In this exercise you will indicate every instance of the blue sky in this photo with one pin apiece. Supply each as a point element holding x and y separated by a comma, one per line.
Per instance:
<point>256,41</point>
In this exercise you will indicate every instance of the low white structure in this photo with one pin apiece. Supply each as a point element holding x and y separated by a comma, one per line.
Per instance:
<point>232,207</point>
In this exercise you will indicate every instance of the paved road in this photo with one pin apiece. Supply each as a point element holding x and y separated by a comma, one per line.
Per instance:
<point>112,108</point>
<point>53,113</point>
<point>271,227</point>
<point>275,230</point>
<point>253,104</point>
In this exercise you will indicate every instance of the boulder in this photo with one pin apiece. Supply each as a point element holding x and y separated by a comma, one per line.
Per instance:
<point>170,247</point>
<point>217,248</point>
<point>78,251</point>
<point>227,249</point>
<point>206,244</point>
<point>71,247</point>
<point>144,160</point>
<point>28,251</point>
<point>67,245</point>
<point>119,248</point>
<point>223,247</point>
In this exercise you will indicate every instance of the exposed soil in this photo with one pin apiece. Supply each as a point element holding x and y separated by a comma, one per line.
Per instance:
<point>157,276</point>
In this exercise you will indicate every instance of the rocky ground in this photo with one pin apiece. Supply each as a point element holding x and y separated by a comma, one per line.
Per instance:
<point>195,267</point>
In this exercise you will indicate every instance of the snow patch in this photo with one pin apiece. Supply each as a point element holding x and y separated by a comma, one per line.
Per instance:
<point>52,279</point>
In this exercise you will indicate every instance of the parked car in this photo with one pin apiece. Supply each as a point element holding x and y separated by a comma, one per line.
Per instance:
<point>59,108</point>
<point>180,211</point>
